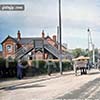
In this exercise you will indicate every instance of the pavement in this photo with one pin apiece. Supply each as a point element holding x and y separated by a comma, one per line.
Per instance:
<point>14,81</point>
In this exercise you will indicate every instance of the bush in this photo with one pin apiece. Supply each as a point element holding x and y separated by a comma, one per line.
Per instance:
<point>7,69</point>
<point>12,68</point>
<point>2,67</point>
<point>67,66</point>
<point>42,67</point>
<point>38,67</point>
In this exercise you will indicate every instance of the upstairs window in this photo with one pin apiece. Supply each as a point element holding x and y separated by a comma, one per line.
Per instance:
<point>9,48</point>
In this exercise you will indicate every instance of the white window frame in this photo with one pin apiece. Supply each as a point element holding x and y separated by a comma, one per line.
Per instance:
<point>7,48</point>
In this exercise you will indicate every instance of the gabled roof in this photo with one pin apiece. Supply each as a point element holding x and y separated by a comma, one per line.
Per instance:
<point>15,40</point>
<point>49,38</point>
<point>54,41</point>
<point>26,40</point>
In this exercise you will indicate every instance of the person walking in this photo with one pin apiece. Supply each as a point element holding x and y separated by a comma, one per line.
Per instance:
<point>19,70</point>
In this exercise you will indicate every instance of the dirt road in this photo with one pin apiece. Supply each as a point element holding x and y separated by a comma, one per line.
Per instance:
<point>56,86</point>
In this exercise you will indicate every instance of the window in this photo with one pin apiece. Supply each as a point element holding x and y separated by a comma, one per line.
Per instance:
<point>9,48</point>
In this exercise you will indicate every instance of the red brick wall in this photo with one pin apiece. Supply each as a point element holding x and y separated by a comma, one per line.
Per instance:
<point>50,41</point>
<point>6,54</point>
<point>39,55</point>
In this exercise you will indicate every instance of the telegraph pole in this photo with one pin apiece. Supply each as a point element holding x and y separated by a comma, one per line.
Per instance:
<point>89,39</point>
<point>60,31</point>
<point>93,48</point>
<point>92,45</point>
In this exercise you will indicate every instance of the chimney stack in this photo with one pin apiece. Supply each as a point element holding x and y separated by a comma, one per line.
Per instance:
<point>54,38</point>
<point>19,35</point>
<point>43,34</point>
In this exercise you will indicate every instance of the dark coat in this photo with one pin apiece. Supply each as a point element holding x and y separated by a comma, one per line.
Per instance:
<point>19,71</point>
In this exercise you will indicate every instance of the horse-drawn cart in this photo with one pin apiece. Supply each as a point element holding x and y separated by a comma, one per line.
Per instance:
<point>81,63</point>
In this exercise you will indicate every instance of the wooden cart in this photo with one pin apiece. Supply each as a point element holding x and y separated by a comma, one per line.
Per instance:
<point>81,63</point>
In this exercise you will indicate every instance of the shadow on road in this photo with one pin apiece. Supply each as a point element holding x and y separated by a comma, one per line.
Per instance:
<point>34,81</point>
<point>93,73</point>
<point>23,87</point>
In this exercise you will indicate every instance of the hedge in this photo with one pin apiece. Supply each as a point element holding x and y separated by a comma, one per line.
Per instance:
<point>42,66</point>
<point>7,69</point>
<point>38,67</point>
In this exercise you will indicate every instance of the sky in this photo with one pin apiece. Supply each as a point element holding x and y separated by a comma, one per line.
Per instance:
<point>77,17</point>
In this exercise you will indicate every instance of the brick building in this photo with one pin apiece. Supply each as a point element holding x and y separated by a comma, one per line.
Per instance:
<point>43,47</point>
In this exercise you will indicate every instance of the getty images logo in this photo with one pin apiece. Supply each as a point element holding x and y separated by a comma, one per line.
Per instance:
<point>12,7</point>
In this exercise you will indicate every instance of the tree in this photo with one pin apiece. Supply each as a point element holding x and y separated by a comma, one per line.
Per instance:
<point>90,54</point>
<point>79,52</point>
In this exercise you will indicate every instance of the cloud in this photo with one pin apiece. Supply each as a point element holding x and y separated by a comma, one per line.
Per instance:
<point>77,16</point>
<point>81,10</point>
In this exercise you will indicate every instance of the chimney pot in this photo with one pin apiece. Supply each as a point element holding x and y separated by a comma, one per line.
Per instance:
<point>19,35</point>
<point>43,34</point>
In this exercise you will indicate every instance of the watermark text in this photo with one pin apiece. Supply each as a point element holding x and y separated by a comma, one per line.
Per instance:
<point>12,7</point>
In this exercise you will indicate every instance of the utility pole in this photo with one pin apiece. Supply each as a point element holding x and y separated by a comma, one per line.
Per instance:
<point>89,39</point>
<point>93,54</point>
<point>60,31</point>
<point>92,45</point>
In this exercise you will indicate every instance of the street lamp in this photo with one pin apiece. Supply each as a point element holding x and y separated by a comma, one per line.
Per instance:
<point>60,56</point>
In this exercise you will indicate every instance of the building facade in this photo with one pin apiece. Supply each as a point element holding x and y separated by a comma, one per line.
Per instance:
<point>43,47</point>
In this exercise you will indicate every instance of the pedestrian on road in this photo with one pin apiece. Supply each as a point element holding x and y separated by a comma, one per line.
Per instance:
<point>19,70</point>
<point>49,70</point>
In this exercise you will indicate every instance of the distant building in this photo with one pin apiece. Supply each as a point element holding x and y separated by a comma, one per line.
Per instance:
<point>43,47</point>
